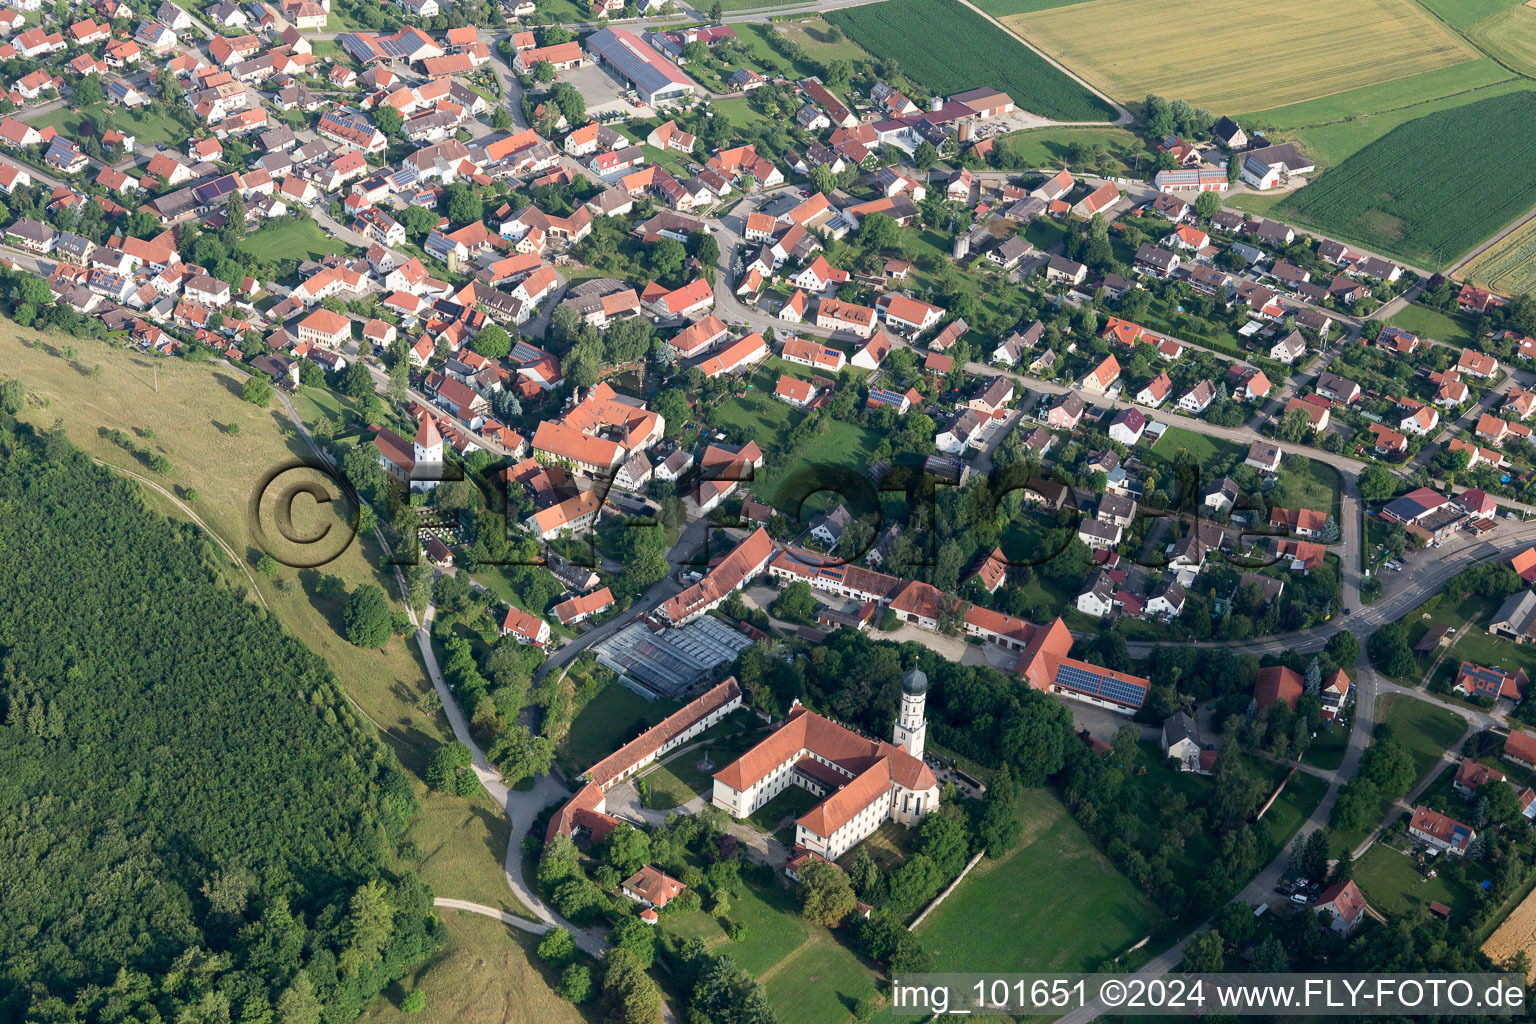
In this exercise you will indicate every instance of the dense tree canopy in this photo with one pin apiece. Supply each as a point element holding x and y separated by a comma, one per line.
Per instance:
<point>196,823</point>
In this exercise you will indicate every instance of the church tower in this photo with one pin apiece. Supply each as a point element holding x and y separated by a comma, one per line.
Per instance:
<point>428,448</point>
<point>911,726</point>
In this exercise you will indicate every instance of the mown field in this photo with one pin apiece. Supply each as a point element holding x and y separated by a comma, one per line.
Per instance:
<point>1510,266</point>
<point>1462,13</point>
<point>1055,147</point>
<point>1053,903</point>
<point>1509,36</point>
<point>1399,94</point>
<point>1389,197</point>
<point>959,50</point>
<point>1204,51</point>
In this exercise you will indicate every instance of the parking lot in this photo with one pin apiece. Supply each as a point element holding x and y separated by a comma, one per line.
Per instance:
<point>603,92</point>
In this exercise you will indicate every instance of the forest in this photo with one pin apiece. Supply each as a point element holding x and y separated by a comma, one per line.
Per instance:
<point>193,823</point>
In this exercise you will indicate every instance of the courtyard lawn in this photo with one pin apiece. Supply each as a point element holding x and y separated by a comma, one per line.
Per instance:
<point>787,806</point>
<point>611,719</point>
<point>1306,483</point>
<point>665,791</point>
<point>1394,885</point>
<point>291,239</point>
<point>1431,323</point>
<point>151,127</point>
<point>1053,903</point>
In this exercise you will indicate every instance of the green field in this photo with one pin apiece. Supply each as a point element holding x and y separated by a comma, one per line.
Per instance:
<point>611,719</point>
<point>1053,147</point>
<point>960,50</point>
<point>1462,13</point>
<point>486,974</point>
<point>1431,323</point>
<point>1331,144</point>
<point>1053,903</point>
<point>1306,484</point>
<point>1425,730</point>
<point>1400,94</point>
<point>289,238</point>
<point>1429,212</point>
<point>808,976</point>
<point>813,35</point>
<point>1207,450</point>
<point>1393,884</point>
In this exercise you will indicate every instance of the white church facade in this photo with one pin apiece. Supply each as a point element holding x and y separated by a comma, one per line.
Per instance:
<point>864,782</point>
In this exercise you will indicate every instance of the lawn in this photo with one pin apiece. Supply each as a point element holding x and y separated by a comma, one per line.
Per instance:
<point>813,35</point>
<point>1393,884</point>
<point>1306,483</point>
<point>791,804</point>
<point>1327,749</point>
<point>808,976</point>
<point>1201,52</point>
<point>962,50</point>
<point>486,974</point>
<point>1399,94</point>
<point>1427,214</point>
<point>1053,147</point>
<point>1509,37</point>
<point>1509,266</point>
<point>665,790</point>
<point>1053,903</point>
<point>1425,730</point>
<point>291,238</point>
<point>462,844</point>
<point>610,720</point>
<point>1431,323</point>
<point>151,127</point>
<point>1208,450</point>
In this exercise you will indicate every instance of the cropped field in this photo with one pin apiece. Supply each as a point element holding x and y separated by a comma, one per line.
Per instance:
<point>1517,934</point>
<point>960,50</point>
<point>1388,197</point>
<point>1203,50</point>
<point>1510,266</point>
<point>1509,36</point>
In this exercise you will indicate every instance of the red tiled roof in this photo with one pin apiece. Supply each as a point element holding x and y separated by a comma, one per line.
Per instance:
<point>1278,683</point>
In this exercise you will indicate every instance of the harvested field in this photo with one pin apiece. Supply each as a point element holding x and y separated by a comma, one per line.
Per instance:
<point>1516,934</point>
<point>1510,266</point>
<point>1202,50</point>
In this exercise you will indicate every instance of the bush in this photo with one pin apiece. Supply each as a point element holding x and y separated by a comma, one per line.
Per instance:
<point>575,984</point>
<point>414,1002</point>
<point>257,390</point>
